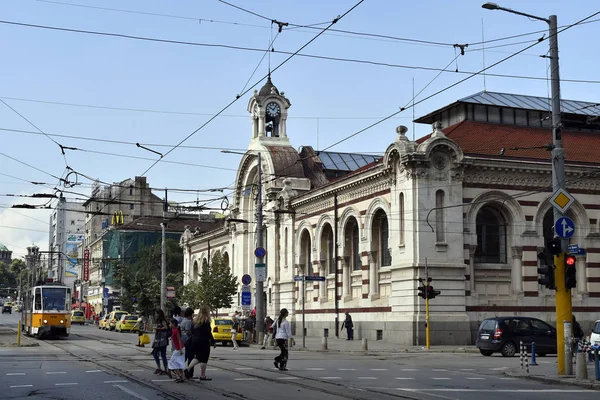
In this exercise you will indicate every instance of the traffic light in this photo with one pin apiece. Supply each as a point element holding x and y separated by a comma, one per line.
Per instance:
<point>570,271</point>
<point>422,291</point>
<point>431,293</point>
<point>554,247</point>
<point>546,270</point>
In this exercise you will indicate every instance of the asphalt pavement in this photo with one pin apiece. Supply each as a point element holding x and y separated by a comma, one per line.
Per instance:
<point>107,365</point>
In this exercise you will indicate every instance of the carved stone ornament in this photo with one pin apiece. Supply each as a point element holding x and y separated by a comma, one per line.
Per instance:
<point>439,160</point>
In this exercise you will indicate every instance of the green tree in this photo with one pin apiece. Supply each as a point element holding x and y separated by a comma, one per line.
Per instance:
<point>140,280</point>
<point>216,288</point>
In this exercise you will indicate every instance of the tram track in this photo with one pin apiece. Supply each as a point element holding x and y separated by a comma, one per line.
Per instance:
<point>308,383</point>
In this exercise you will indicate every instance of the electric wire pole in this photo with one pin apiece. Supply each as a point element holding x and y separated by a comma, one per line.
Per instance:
<point>163,258</point>
<point>260,261</point>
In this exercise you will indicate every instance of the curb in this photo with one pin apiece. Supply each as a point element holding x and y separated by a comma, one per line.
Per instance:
<point>571,381</point>
<point>25,341</point>
<point>379,351</point>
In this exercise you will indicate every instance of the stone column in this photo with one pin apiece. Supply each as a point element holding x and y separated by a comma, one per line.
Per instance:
<point>516,270</point>
<point>373,272</point>
<point>581,275</point>
<point>472,249</point>
<point>322,284</point>
<point>261,126</point>
<point>346,284</point>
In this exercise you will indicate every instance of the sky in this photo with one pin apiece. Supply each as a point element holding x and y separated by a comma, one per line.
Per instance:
<point>157,94</point>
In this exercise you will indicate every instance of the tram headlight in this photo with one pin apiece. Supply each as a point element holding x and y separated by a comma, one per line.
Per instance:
<point>45,321</point>
<point>61,321</point>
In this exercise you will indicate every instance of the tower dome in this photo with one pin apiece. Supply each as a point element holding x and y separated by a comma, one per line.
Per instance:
<point>268,88</point>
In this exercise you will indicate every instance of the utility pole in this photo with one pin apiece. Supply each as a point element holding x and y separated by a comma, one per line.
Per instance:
<point>427,327</point>
<point>563,294</point>
<point>260,261</point>
<point>163,258</point>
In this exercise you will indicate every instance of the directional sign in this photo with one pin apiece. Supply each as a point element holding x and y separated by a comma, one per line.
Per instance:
<point>314,278</point>
<point>246,279</point>
<point>562,200</point>
<point>564,227</point>
<point>260,252</point>
<point>298,278</point>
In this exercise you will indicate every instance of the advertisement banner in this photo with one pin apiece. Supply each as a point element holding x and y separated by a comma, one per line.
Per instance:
<point>86,265</point>
<point>71,270</point>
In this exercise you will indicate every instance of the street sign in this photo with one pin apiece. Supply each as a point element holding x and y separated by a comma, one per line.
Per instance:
<point>314,278</point>
<point>105,293</point>
<point>298,278</point>
<point>246,279</point>
<point>261,272</point>
<point>246,288</point>
<point>564,227</point>
<point>86,265</point>
<point>562,200</point>
<point>246,298</point>
<point>260,252</point>
<point>576,250</point>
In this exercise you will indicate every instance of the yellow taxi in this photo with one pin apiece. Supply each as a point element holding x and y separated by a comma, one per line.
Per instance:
<point>103,324</point>
<point>113,318</point>
<point>77,317</point>
<point>221,330</point>
<point>127,323</point>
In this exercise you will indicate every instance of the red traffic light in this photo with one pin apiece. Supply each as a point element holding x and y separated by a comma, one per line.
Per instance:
<point>570,260</point>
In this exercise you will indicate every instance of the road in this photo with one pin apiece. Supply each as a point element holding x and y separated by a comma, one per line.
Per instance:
<point>107,365</point>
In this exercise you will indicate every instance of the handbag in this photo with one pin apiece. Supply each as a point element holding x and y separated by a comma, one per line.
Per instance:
<point>161,339</point>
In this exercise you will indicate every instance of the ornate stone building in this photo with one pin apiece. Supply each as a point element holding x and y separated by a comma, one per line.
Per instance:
<point>461,201</point>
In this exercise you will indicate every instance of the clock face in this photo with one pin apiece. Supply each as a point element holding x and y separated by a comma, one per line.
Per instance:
<point>273,109</point>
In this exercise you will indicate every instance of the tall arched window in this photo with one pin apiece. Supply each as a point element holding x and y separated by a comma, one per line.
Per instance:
<point>491,236</point>
<point>440,229</point>
<point>351,248</point>
<point>401,214</point>
<point>327,247</point>
<point>285,247</point>
<point>305,253</point>
<point>380,239</point>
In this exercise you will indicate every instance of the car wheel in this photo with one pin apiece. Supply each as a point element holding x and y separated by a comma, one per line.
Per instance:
<point>541,354</point>
<point>486,353</point>
<point>508,349</point>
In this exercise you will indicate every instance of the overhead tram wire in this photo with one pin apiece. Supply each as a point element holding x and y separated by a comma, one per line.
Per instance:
<point>456,83</point>
<point>327,58</point>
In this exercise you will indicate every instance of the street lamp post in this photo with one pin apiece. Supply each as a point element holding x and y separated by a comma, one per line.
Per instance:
<point>563,295</point>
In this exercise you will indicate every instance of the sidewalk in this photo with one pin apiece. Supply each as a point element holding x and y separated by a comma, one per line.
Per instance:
<point>8,338</point>
<point>334,344</point>
<point>548,373</point>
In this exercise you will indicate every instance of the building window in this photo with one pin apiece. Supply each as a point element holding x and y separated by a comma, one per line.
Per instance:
<point>440,236</point>
<point>305,253</point>
<point>330,255</point>
<point>401,227</point>
<point>351,247</point>
<point>285,247</point>
<point>131,191</point>
<point>491,237</point>
<point>381,238</point>
<point>131,206</point>
<point>72,222</point>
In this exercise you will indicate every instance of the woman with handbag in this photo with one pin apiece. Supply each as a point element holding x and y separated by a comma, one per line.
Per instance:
<point>202,339</point>
<point>160,343</point>
<point>283,335</point>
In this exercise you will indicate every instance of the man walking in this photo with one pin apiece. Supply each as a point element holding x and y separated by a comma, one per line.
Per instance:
<point>349,326</point>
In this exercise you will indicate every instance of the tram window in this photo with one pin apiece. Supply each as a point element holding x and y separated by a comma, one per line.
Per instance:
<point>55,299</point>
<point>38,299</point>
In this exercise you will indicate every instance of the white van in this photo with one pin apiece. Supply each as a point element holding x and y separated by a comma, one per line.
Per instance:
<point>595,336</point>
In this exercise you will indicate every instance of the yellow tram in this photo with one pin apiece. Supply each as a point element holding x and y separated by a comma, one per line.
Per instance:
<point>47,311</point>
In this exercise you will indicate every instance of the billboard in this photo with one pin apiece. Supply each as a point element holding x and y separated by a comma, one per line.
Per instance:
<point>72,253</point>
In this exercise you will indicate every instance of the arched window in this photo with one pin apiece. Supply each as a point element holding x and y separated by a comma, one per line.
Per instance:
<point>327,247</point>
<point>440,229</point>
<point>305,253</point>
<point>380,239</point>
<point>491,236</point>
<point>351,248</point>
<point>195,272</point>
<point>285,247</point>
<point>402,223</point>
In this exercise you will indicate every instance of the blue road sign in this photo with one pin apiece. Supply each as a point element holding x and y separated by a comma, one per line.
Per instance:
<point>260,252</point>
<point>298,278</point>
<point>564,227</point>
<point>314,278</point>
<point>246,298</point>
<point>246,279</point>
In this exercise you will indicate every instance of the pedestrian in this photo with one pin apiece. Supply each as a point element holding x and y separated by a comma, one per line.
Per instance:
<point>160,343</point>
<point>202,339</point>
<point>141,328</point>
<point>248,328</point>
<point>186,334</point>
<point>283,335</point>
<point>349,326</point>
<point>268,329</point>
<point>577,331</point>
<point>234,328</point>
<point>177,314</point>
<point>177,361</point>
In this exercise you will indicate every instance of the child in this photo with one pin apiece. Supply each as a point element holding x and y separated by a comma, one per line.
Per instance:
<point>177,361</point>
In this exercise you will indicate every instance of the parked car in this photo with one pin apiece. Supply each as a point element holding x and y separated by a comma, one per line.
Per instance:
<point>595,336</point>
<point>77,317</point>
<point>504,334</point>
<point>103,324</point>
<point>113,318</point>
<point>221,329</point>
<point>127,323</point>
<point>6,309</point>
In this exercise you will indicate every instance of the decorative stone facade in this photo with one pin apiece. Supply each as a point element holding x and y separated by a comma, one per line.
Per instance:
<point>475,221</point>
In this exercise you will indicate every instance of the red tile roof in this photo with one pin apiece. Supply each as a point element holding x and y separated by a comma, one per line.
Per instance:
<point>485,139</point>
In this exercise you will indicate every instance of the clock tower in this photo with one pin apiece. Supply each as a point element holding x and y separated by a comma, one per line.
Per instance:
<point>268,108</point>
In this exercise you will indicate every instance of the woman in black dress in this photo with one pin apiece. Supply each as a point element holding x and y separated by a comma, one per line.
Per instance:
<point>202,339</point>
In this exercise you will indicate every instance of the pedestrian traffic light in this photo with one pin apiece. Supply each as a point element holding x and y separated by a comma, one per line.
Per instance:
<point>570,271</point>
<point>554,247</point>
<point>422,292</point>
<point>546,271</point>
<point>431,293</point>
